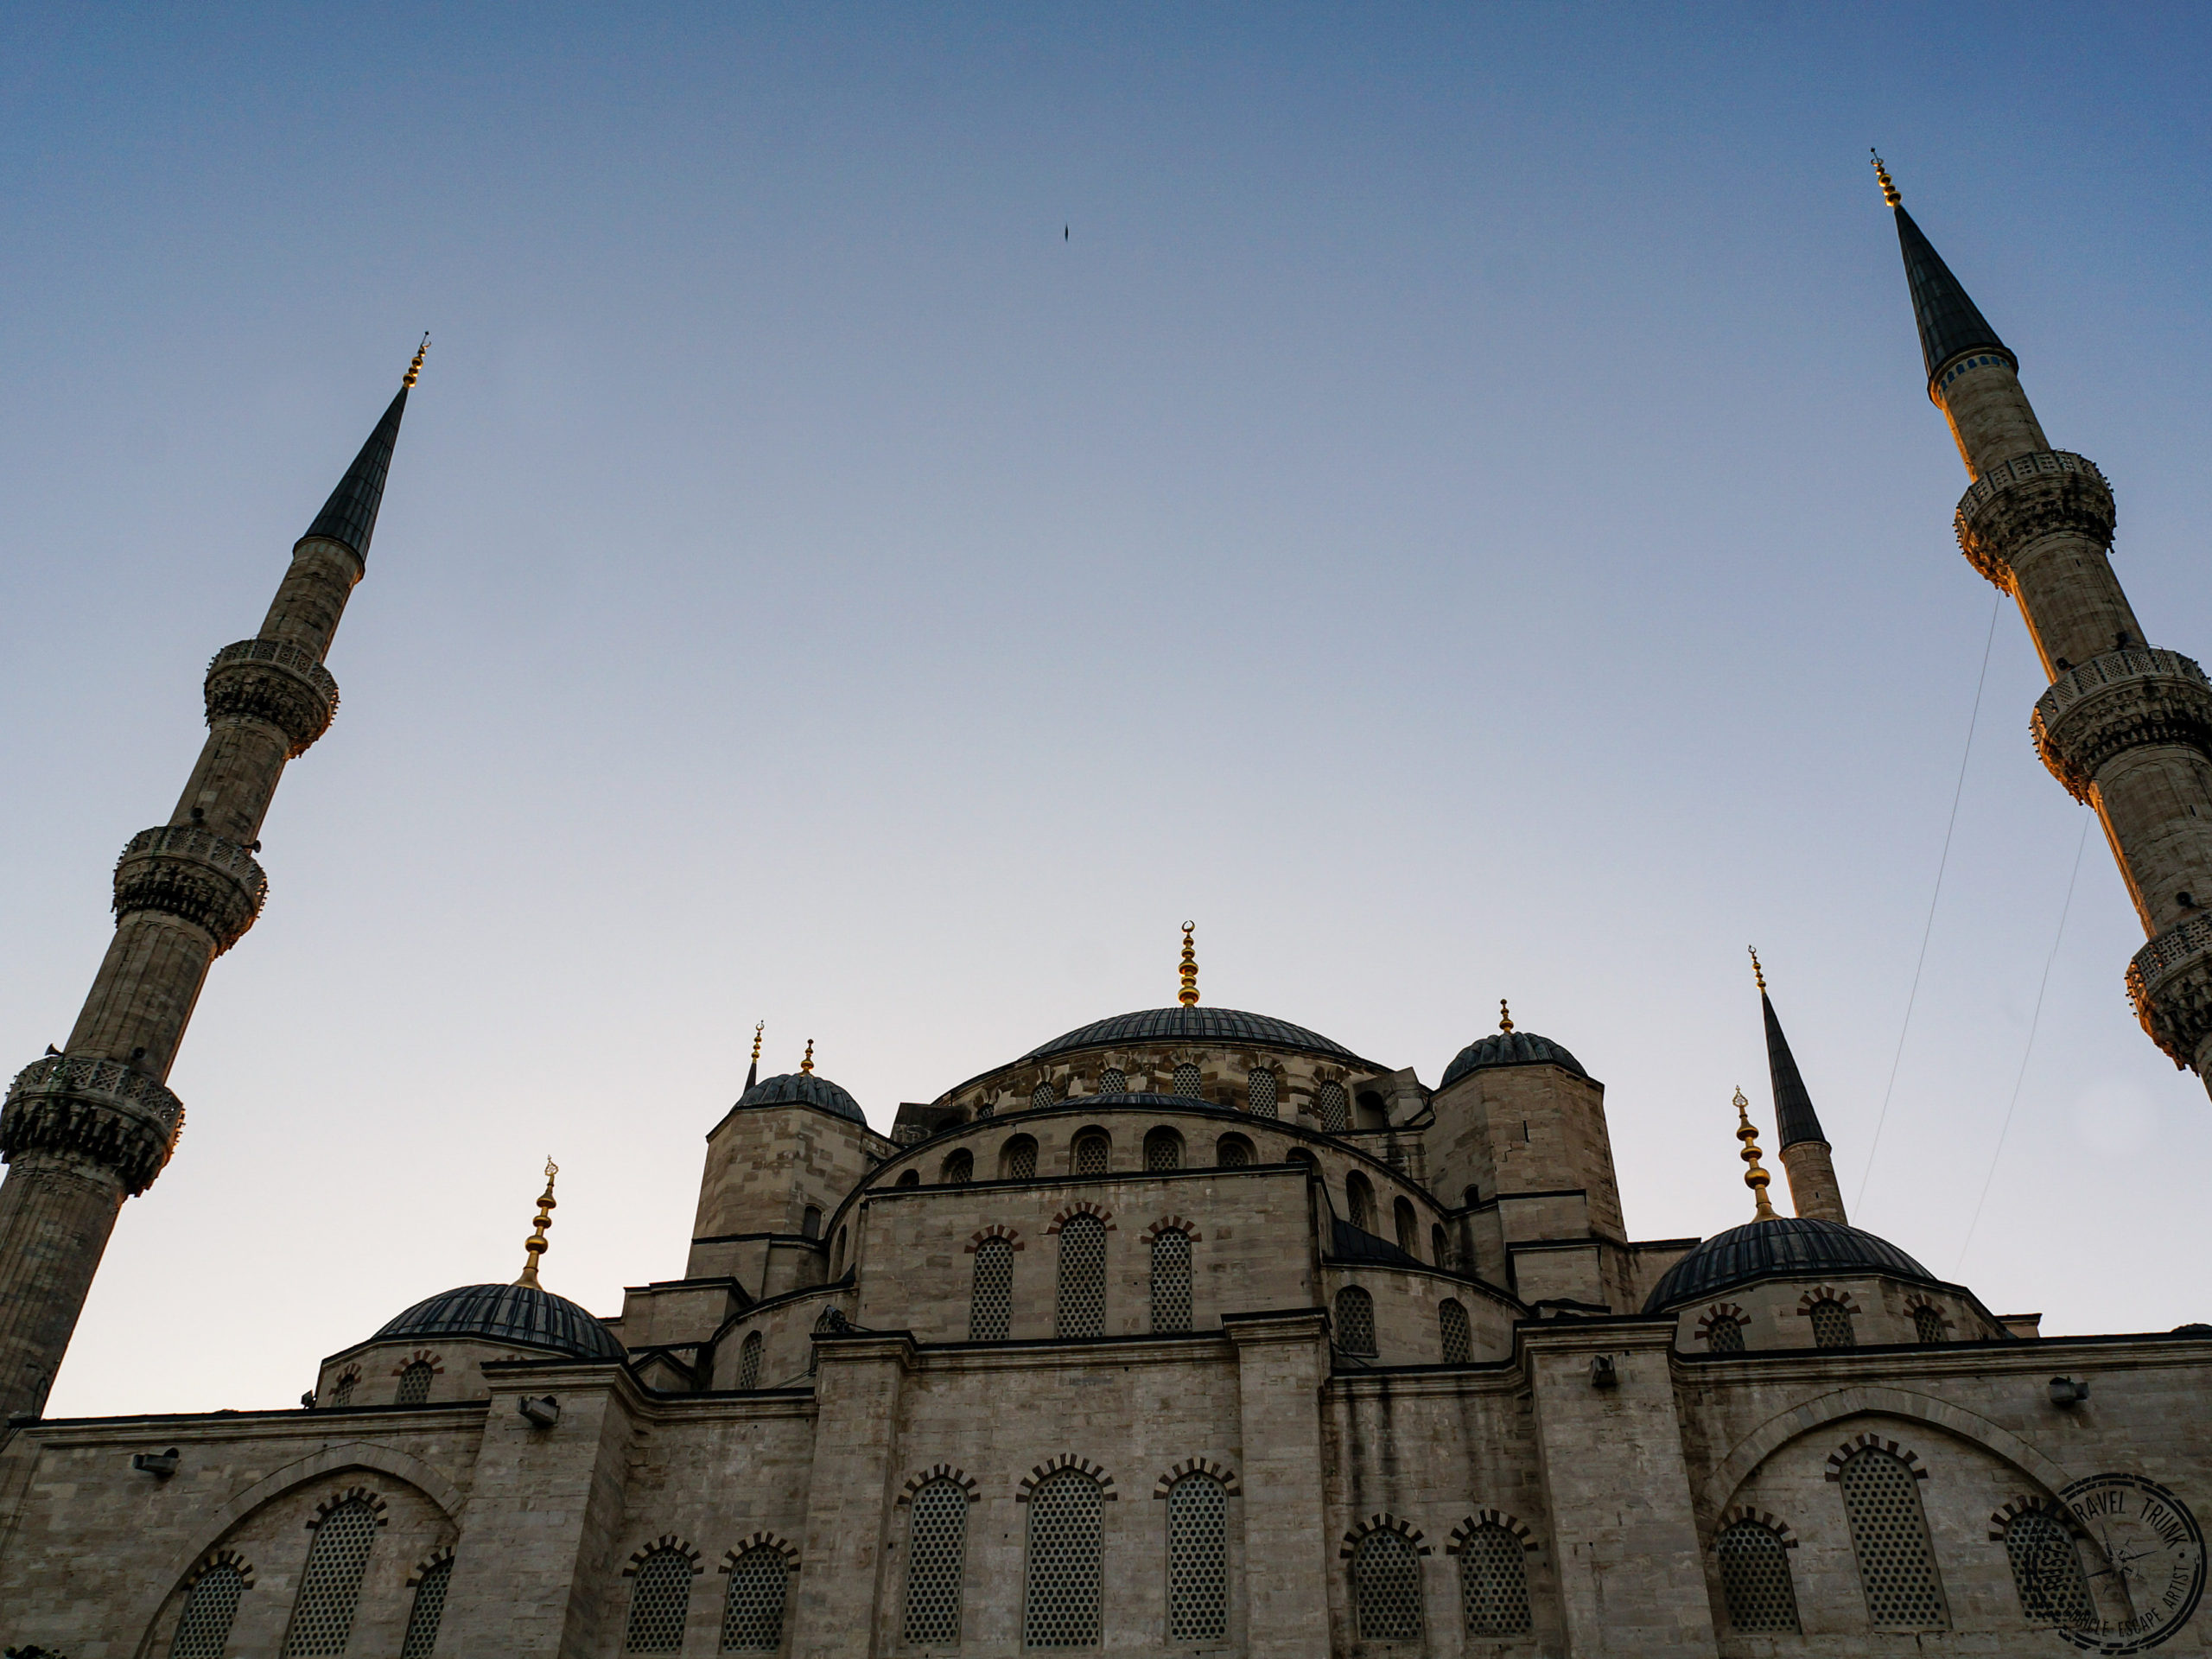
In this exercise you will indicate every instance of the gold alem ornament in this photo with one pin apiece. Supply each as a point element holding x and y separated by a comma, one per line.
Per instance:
<point>806,1066</point>
<point>1889,186</point>
<point>1188,997</point>
<point>1754,1176</point>
<point>535,1245</point>
<point>1757,972</point>
<point>1504,1017</point>
<point>414,369</point>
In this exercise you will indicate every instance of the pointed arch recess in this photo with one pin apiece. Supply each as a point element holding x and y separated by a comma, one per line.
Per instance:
<point>1051,1466</point>
<point>996,1230</point>
<point>1481,1518</point>
<point>1220,1471</point>
<point>774,1540</point>
<point>1172,1225</point>
<point>1384,1523</point>
<point>936,1472</point>
<point>653,1546</point>
<point>1082,1207</point>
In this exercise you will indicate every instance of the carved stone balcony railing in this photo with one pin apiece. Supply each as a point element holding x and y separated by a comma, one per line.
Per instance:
<point>2028,497</point>
<point>2115,702</point>
<point>191,873</point>
<point>2169,981</point>
<point>99,1110</point>
<point>274,681</point>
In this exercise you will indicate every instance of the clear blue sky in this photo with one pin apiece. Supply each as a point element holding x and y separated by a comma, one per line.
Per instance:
<point>1457,514</point>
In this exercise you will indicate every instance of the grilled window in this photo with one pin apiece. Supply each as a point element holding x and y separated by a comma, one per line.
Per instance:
<point>1018,1160</point>
<point>1091,1155</point>
<point>660,1599</point>
<point>342,1392</point>
<point>1066,1524</point>
<point>1232,1152</point>
<point>1927,1324</point>
<point>1386,1588</point>
<point>1459,1339</point>
<point>1198,1560</point>
<point>1171,1282</point>
<point>1354,1320</point>
<point>1889,1534</point>
<point>1186,1081</point>
<point>1081,1310</point>
<point>1755,1578</point>
<point>1725,1335</point>
<point>1261,1091</point>
<point>1332,1107</point>
<point>428,1611</point>
<point>1402,1217</point>
<point>1042,1096</point>
<point>1494,1582</point>
<point>1359,1200</point>
<point>414,1385</point>
<point>1831,1325</point>
<point>1163,1149</point>
<point>752,1612</point>
<point>990,1305</point>
<point>936,1557</point>
<point>959,1168</point>
<point>203,1630</point>
<point>2047,1572</point>
<point>1112,1081</point>
<point>748,1361</point>
<point>330,1585</point>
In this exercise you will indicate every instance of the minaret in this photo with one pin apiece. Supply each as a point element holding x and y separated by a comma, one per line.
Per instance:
<point>1804,1147</point>
<point>84,1129</point>
<point>2127,729</point>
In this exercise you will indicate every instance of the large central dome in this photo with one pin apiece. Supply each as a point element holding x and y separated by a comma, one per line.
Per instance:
<point>1197,1025</point>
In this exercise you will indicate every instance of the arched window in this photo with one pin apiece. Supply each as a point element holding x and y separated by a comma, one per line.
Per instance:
<point>203,1630</point>
<point>660,1599</point>
<point>937,1554</point>
<point>1494,1581</point>
<point>1042,1096</point>
<point>910,1177</point>
<point>1755,1578</point>
<point>428,1611</point>
<point>1232,1152</point>
<point>330,1584</point>
<point>1439,1244</point>
<point>1299,1155</point>
<point>829,1322</point>
<point>1171,1283</point>
<point>2047,1572</point>
<point>1090,1154</point>
<point>753,1611</point>
<point>1163,1149</point>
<point>748,1361</point>
<point>1831,1325</point>
<point>1473,1196</point>
<point>1186,1081</point>
<point>1354,1320</point>
<point>1724,1334</point>
<point>1018,1159</point>
<point>342,1392</point>
<point>1889,1534</point>
<point>1373,1115</point>
<point>1409,1226</point>
<point>1458,1339</point>
<point>1359,1201</point>
<point>1260,1092</point>
<point>414,1384</point>
<point>990,1303</point>
<point>959,1168</point>
<point>1386,1588</point>
<point>1112,1081</point>
<point>1331,1106</point>
<point>810,1225</point>
<point>1927,1325</point>
<point>1081,1310</point>
<point>837,1256</point>
<point>1198,1560</point>
<point>1066,1526</point>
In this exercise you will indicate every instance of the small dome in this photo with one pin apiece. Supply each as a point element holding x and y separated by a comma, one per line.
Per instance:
<point>1787,1246</point>
<point>1508,1048</point>
<point>1197,1025</point>
<point>518,1313</point>
<point>803,1088</point>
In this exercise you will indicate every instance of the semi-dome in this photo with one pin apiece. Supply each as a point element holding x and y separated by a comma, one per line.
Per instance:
<point>1510,1048</point>
<point>522,1314</point>
<point>1787,1246</point>
<point>803,1088</point>
<point>1193,1025</point>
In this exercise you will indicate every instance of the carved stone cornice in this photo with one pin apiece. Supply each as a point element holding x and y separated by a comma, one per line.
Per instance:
<point>100,1110</point>
<point>2169,981</point>
<point>2119,702</point>
<point>191,873</point>
<point>274,681</point>
<point>2028,497</point>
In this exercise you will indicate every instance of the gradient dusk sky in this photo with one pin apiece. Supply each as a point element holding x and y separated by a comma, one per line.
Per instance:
<point>908,504</point>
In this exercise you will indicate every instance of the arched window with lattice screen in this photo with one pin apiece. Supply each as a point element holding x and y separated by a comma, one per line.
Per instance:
<point>1186,1084</point>
<point>1724,1334</point>
<point>959,1168</point>
<point>1232,1152</point>
<point>1112,1081</point>
<point>1927,1325</point>
<point>1171,1282</point>
<point>1386,1587</point>
<point>1832,1327</point>
<point>1081,1311</point>
<point>1754,1581</point>
<point>660,1600</point>
<point>414,1384</point>
<point>1198,1560</point>
<point>1889,1536</point>
<point>1334,1107</point>
<point>203,1630</point>
<point>748,1361</point>
<point>1018,1159</point>
<point>342,1391</point>
<point>1354,1320</point>
<point>1092,1153</point>
<point>910,1177</point>
<point>1494,1581</point>
<point>1459,1338</point>
<point>1043,1096</point>
<point>1262,1088</point>
<point>1163,1149</point>
<point>330,1584</point>
<point>990,1300</point>
<point>428,1611</point>
<point>1067,1513</point>
<point>1359,1202</point>
<point>2047,1572</point>
<point>937,1554</point>
<point>753,1608</point>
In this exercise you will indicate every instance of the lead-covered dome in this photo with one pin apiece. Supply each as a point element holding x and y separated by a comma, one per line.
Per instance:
<point>522,1314</point>
<point>1786,1247</point>
<point>1510,1048</point>
<point>803,1088</point>
<point>1193,1025</point>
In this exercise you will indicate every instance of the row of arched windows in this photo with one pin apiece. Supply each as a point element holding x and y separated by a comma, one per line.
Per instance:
<point>1833,1322</point>
<point>1386,1580</point>
<point>1092,1153</point>
<point>1079,1298</point>
<point>752,1600</point>
<point>1355,1326</point>
<point>1263,1093</point>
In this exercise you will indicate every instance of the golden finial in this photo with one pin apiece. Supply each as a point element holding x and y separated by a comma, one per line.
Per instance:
<point>1504,1016</point>
<point>758,1026</point>
<point>414,369</point>
<point>1889,186</point>
<point>1754,1176</point>
<point>535,1245</point>
<point>806,1066</point>
<point>1188,997</point>
<point>1757,972</point>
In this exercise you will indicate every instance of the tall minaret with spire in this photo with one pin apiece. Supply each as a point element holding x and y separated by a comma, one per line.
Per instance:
<point>93,1124</point>
<point>2125,727</point>
<point>1803,1143</point>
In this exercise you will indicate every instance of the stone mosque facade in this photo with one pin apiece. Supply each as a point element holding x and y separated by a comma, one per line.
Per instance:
<point>1189,1332</point>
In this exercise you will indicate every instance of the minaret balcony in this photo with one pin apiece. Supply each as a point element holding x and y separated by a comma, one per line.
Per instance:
<point>188,872</point>
<point>2022,500</point>
<point>2121,701</point>
<point>276,681</point>
<point>97,1109</point>
<point>2169,981</point>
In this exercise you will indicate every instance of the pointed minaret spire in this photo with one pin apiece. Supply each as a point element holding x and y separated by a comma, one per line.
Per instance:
<point>1188,997</point>
<point>535,1246</point>
<point>1803,1145</point>
<point>752,1071</point>
<point>349,518</point>
<point>1951,324</point>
